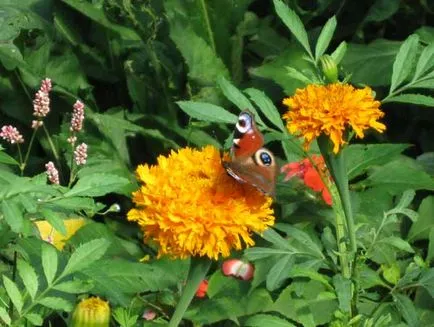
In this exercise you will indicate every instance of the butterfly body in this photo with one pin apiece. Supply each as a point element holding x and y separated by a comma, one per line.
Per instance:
<point>250,162</point>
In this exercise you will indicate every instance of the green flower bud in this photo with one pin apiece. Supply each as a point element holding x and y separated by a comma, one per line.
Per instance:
<point>329,68</point>
<point>91,312</point>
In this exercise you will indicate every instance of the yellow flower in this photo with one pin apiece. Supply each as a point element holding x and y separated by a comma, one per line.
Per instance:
<point>49,234</point>
<point>91,312</point>
<point>330,109</point>
<point>189,205</point>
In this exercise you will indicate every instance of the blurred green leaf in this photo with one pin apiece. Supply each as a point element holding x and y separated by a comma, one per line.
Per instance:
<point>266,106</point>
<point>49,262</point>
<point>406,307</point>
<point>13,293</point>
<point>425,62</point>
<point>207,112</point>
<point>421,228</point>
<point>56,303</point>
<point>13,215</point>
<point>268,320</point>
<point>279,272</point>
<point>5,316</point>
<point>382,10</point>
<point>34,318</point>
<point>339,52</point>
<point>28,276</point>
<point>55,220</point>
<point>325,37</point>
<point>7,159</point>
<point>85,255</point>
<point>418,99</point>
<point>97,185</point>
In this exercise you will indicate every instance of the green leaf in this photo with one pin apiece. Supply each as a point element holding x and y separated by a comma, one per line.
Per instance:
<point>257,253</point>
<point>261,320</point>
<point>406,199</point>
<point>419,99</point>
<point>13,215</point>
<point>10,56</point>
<point>234,95</point>
<point>421,228</point>
<point>54,219</point>
<point>49,261</point>
<point>371,64</point>
<point>7,159</point>
<point>430,254</point>
<point>279,272</point>
<point>407,309</point>
<point>56,303</point>
<point>294,23</point>
<point>97,14</point>
<point>426,61</point>
<point>28,276</point>
<point>307,244</point>
<point>359,158</point>
<point>424,83</point>
<point>266,106</point>
<point>35,319</point>
<point>404,61</point>
<point>207,112</point>
<point>97,185</point>
<point>325,37</point>
<point>299,76</point>
<point>400,175</point>
<point>73,287</point>
<point>13,293</point>
<point>5,316</point>
<point>339,52</point>
<point>426,160</point>
<point>398,243</point>
<point>343,291</point>
<point>311,274</point>
<point>427,281</point>
<point>85,255</point>
<point>381,10</point>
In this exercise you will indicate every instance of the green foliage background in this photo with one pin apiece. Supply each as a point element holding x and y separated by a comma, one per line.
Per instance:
<point>156,75</point>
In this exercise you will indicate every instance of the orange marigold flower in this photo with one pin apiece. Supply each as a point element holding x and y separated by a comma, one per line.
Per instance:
<point>309,174</point>
<point>189,205</point>
<point>330,109</point>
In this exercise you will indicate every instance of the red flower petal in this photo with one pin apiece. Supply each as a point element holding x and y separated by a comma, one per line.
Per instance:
<point>201,290</point>
<point>238,269</point>
<point>313,180</point>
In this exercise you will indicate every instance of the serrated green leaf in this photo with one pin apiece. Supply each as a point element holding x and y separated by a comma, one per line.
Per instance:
<point>261,320</point>
<point>28,276</point>
<point>343,292</point>
<point>54,219</point>
<point>419,99</point>
<point>406,199</point>
<point>13,293</point>
<point>430,254</point>
<point>49,262</point>
<point>5,316</point>
<point>279,272</point>
<point>257,253</point>
<point>302,237</point>
<point>424,84</point>
<point>234,95</point>
<point>422,227</point>
<point>13,215</point>
<point>359,158</point>
<point>298,75</point>
<point>294,23</point>
<point>407,309</point>
<point>325,37</point>
<point>97,185</point>
<point>35,319</point>
<point>398,243</point>
<point>73,287</point>
<point>7,159</point>
<point>404,61</point>
<point>426,61</point>
<point>85,255</point>
<point>266,106</point>
<point>339,52</point>
<point>427,281</point>
<point>272,236</point>
<point>207,112</point>
<point>56,303</point>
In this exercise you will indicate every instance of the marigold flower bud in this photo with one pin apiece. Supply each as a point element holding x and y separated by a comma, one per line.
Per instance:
<point>91,312</point>
<point>329,68</point>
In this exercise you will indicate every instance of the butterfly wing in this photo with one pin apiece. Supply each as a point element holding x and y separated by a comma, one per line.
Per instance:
<point>258,170</point>
<point>247,138</point>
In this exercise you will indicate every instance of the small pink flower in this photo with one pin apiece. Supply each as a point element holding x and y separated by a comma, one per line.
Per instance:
<point>238,269</point>
<point>52,173</point>
<point>77,117</point>
<point>37,123</point>
<point>149,314</point>
<point>80,154</point>
<point>41,103</point>
<point>11,134</point>
<point>72,140</point>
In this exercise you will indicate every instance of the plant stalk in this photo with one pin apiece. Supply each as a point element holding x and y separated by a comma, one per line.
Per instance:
<point>198,270</point>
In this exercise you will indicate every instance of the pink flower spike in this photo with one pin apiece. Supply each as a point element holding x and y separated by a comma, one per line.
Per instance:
<point>77,117</point>
<point>52,173</point>
<point>37,123</point>
<point>80,154</point>
<point>238,269</point>
<point>149,314</point>
<point>41,103</point>
<point>11,134</point>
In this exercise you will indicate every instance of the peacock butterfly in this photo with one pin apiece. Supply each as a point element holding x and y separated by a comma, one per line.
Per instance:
<point>250,162</point>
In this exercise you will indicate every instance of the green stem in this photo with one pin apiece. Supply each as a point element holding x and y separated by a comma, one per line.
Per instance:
<point>198,270</point>
<point>208,25</point>
<point>29,148</point>
<point>50,142</point>
<point>20,154</point>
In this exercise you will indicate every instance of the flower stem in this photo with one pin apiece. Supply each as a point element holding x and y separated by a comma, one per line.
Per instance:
<point>198,270</point>
<point>29,148</point>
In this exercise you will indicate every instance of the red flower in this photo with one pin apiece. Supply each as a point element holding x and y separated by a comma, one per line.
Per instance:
<point>310,176</point>
<point>201,290</point>
<point>238,269</point>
